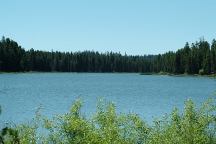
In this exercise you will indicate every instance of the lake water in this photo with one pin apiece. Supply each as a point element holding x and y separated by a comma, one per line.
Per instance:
<point>149,96</point>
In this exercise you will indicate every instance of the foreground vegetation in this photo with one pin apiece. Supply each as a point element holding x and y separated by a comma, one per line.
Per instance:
<point>197,58</point>
<point>192,126</point>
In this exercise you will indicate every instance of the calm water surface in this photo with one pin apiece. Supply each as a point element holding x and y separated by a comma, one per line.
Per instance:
<point>147,95</point>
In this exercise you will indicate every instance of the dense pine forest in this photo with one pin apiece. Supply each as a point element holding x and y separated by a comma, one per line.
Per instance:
<point>195,58</point>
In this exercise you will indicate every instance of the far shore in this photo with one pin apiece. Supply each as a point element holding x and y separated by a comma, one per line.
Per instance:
<point>160,73</point>
<point>185,74</point>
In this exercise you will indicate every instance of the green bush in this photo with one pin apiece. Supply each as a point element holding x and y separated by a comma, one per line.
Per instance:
<point>192,126</point>
<point>8,135</point>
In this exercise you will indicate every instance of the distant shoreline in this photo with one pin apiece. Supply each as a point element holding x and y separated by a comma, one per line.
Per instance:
<point>159,74</point>
<point>172,74</point>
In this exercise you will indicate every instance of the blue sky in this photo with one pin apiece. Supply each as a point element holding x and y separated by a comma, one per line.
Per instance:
<point>131,26</point>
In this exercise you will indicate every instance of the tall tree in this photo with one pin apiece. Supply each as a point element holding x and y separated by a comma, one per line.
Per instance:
<point>213,56</point>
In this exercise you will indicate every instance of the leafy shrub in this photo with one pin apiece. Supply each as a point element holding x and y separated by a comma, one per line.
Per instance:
<point>8,135</point>
<point>192,126</point>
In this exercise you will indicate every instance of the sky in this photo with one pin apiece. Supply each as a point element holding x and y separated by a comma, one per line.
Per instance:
<point>135,27</point>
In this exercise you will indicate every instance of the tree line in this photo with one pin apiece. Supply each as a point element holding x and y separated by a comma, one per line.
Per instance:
<point>195,58</point>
